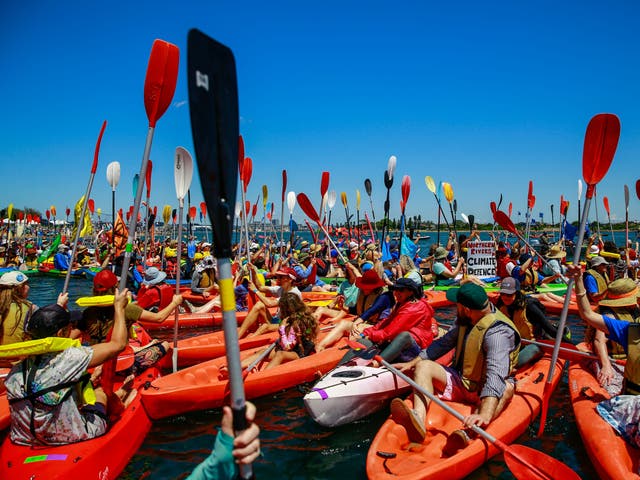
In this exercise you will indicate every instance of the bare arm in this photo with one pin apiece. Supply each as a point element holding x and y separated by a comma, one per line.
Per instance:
<point>158,317</point>
<point>584,307</point>
<point>119,335</point>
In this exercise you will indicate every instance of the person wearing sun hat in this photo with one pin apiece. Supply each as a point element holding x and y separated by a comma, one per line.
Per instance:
<point>596,279</point>
<point>14,306</point>
<point>623,295</point>
<point>487,345</point>
<point>154,293</point>
<point>553,265</point>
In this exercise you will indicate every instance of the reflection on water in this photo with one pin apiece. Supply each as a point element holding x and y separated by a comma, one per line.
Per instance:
<point>295,447</point>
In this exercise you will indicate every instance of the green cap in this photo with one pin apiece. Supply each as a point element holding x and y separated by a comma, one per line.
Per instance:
<point>469,295</point>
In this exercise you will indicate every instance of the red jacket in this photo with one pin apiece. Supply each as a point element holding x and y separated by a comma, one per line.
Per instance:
<point>413,317</point>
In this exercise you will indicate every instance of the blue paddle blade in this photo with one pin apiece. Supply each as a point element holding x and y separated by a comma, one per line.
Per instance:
<point>293,226</point>
<point>136,179</point>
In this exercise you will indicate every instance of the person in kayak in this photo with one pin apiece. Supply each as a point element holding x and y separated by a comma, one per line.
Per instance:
<point>154,293</point>
<point>486,347</point>
<point>347,297</point>
<point>622,412</point>
<point>529,316</point>
<point>203,280</point>
<point>229,451</point>
<point>46,407</point>
<point>14,306</point>
<point>596,279</point>
<point>62,260</point>
<point>553,266</point>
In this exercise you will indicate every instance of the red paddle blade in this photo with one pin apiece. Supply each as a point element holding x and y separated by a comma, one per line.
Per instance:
<point>97,150</point>
<point>254,210</point>
<point>530,192</point>
<point>148,177</point>
<point>241,158</point>
<point>493,207</point>
<point>605,200</point>
<point>406,189</point>
<point>284,183</point>
<point>324,184</point>
<point>600,143</point>
<point>528,464</point>
<point>533,201</point>
<point>247,207</point>
<point>247,170</point>
<point>504,221</point>
<point>160,82</point>
<point>546,395</point>
<point>203,209</point>
<point>638,189</point>
<point>510,209</point>
<point>192,212</point>
<point>307,208</point>
<point>91,204</point>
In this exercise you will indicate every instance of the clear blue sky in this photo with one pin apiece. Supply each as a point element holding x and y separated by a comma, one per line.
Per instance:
<point>485,95</point>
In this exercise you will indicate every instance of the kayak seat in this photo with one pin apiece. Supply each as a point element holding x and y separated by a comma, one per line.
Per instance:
<point>348,374</point>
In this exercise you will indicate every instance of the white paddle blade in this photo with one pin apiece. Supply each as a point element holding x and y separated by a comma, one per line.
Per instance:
<point>391,166</point>
<point>331,199</point>
<point>113,174</point>
<point>626,197</point>
<point>464,217</point>
<point>579,188</point>
<point>291,202</point>
<point>431,186</point>
<point>323,204</point>
<point>183,172</point>
<point>238,209</point>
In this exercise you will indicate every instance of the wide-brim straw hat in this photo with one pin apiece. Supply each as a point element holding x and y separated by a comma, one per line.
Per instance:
<point>556,252</point>
<point>621,293</point>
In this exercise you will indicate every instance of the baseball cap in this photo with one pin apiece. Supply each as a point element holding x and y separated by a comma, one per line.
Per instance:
<point>509,286</point>
<point>469,295</point>
<point>104,280</point>
<point>13,279</point>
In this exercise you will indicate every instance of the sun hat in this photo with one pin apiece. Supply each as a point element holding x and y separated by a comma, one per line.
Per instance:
<point>207,262</point>
<point>556,252</point>
<point>46,321</point>
<point>405,283</point>
<point>594,250</point>
<point>469,295</point>
<point>153,276</point>
<point>621,293</point>
<point>303,256</point>
<point>440,253</point>
<point>598,260</point>
<point>287,272</point>
<point>104,280</point>
<point>13,279</point>
<point>509,286</point>
<point>353,245</point>
<point>369,281</point>
<point>315,248</point>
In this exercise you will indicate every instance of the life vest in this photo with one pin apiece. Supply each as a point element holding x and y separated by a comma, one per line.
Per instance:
<point>12,327</point>
<point>519,319</point>
<point>365,302</point>
<point>627,315</point>
<point>207,279</point>
<point>469,357</point>
<point>165,294</point>
<point>501,266</point>
<point>531,278</point>
<point>632,368</point>
<point>601,280</point>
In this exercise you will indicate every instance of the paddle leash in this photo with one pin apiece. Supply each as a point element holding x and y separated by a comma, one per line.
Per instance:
<point>213,107</point>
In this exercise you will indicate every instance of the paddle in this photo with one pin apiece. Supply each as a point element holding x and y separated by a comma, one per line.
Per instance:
<point>448,194</point>
<point>405,191</point>
<point>92,174</point>
<point>579,197</point>
<point>284,190</point>
<point>626,220</point>
<point>146,230</point>
<point>388,183</point>
<point>605,201</point>
<point>324,186</point>
<point>182,175</point>
<point>358,214</point>
<point>113,178</point>
<point>553,222</point>
<point>245,176</point>
<point>600,143</point>
<point>307,208</point>
<point>638,189</point>
<point>159,86</point>
<point>524,462</point>
<point>431,186</point>
<point>291,204</point>
<point>213,105</point>
<point>367,187</point>
<point>343,197</point>
<point>331,202</point>
<point>265,197</point>
<point>257,361</point>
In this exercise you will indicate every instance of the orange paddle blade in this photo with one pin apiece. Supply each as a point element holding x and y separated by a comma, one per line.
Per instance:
<point>600,143</point>
<point>160,82</point>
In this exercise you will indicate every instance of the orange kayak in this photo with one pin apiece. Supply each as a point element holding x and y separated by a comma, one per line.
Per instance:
<point>437,298</point>
<point>611,455</point>
<point>205,386</point>
<point>83,459</point>
<point>5,417</point>
<point>414,461</point>
<point>194,320</point>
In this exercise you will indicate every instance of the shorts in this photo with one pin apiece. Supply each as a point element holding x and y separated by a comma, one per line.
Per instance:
<point>455,390</point>
<point>146,357</point>
<point>96,419</point>
<point>275,320</point>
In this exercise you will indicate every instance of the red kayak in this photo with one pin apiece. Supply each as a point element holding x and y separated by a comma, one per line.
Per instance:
<point>611,455</point>
<point>205,386</point>
<point>101,458</point>
<point>194,320</point>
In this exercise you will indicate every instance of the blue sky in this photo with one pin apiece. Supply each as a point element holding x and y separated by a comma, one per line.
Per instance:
<point>484,95</point>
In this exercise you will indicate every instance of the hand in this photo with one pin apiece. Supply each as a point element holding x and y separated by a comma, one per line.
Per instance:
<point>177,299</point>
<point>63,299</point>
<point>246,446</point>
<point>206,294</point>
<point>407,366</point>
<point>606,375</point>
<point>477,420</point>
<point>574,271</point>
<point>121,298</point>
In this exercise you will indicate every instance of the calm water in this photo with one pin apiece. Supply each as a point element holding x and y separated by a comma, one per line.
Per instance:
<point>297,448</point>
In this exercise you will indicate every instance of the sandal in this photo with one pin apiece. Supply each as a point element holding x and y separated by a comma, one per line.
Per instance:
<point>408,418</point>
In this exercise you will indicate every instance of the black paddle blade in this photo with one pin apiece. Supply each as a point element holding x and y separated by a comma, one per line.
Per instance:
<point>471,221</point>
<point>388,182</point>
<point>367,186</point>
<point>213,106</point>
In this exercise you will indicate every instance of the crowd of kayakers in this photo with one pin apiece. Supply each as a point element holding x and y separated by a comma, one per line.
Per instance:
<point>379,304</point>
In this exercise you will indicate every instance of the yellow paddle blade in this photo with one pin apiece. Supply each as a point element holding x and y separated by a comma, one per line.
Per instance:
<point>10,210</point>
<point>357,199</point>
<point>53,210</point>
<point>166,213</point>
<point>430,184</point>
<point>319,303</point>
<point>265,195</point>
<point>448,191</point>
<point>343,197</point>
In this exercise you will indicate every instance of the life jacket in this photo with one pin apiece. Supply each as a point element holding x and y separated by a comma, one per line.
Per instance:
<point>501,266</point>
<point>12,327</point>
<point>531,278</point>
<point>469,357</point>
<point>310,279</point>
<point>631,315</point>
<point>207,279</point>
<point>165,294</point>
<point>601,280</point>
<point>519,319</point>
<point>365,302</point>
<point>632,368</point>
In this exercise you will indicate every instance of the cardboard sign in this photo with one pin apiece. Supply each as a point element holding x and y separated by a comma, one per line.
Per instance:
<point>481,259</point>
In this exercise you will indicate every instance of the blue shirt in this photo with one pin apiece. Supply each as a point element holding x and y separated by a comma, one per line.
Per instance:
<point>220,465</point>
<point>590,284</point>
<point>383,302</point>
<point>618,331</point>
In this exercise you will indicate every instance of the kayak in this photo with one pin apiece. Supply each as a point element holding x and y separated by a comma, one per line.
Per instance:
<point>612,457</point>
<point>194,320</point>
<point>437,298</point>
<point>556,288</point>
<point>351,392</point>
<point>5,417</point>
<point>85,459</point>
<point>54,272</point>
<point>549,305</point>
<point>415,461</point>
<point>205,386</point>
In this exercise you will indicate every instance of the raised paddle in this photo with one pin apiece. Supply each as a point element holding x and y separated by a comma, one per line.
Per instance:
<point>324,186</point>
<point>358,214</point>
<point>284,191</point>
<point>638,189</point>
<point>388,183</point>
<point>113,178</point>
<point>159,86</point>
<point>579,197</point>
<point>626,220</point>
<point>265,198</point>
<point>345,204</point>
<point>448,195</point>
<point>331,202</point>
<point>405,191</point>
<point>605,201</point>
<point>431,186</point>
<point>291,204</point>
<point>213,106</point>
<point>368,187</point>
<point>524,462</point>
<point>600,143</point>
<point>307,208</point>
<point>146,230</point>
<point>94,166</point>
<point>182,176</point>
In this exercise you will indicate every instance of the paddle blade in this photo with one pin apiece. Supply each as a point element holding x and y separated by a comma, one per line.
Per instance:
<point>254,210</point>
<point>192,213</point>
<point>343,197</point>
<point>213,105</point>
<point>331,199</point>
<point>160,82</point>
<point>307,207</point>
<point>357,199</point>
<point>388,181</point>
<point>406,188</point>
<point>284,183</point>
<point>391,166</point>
<point>241,157</point>
<point>499,201</point>
<point>97,150</point>
<point>247,207</point>
<point>431,185</point>
<point>53,210</point>
<point>291,202</point>
<point>203,209</point>
<point>510,209</point>
<point>91,204</point>
<point>493,208</point>
<point>464,217</point>
<point>504,221</point>
<point>600,143</point>
<point>324,184</point>
<point>148,177</point>
<point>238,209</point>
<point>528,464</point>
<point>113,174</point>
<point>638,189</point>
<point>166,214</point>
<point>247,170</point>
<point>626,197</point>
<point>530,192</point>
<point>471,221</point>
<point>136,179</point>
<point>367,186</point>
<point>605,201</point>
<point>265,196</point>
<point>67,211</point>
<point>447,189</point>
<point>182,172</point>
<point>579,188</point>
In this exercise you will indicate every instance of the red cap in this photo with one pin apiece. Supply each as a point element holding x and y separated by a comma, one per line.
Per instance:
<point>104,280</point>
<point>287,272</point>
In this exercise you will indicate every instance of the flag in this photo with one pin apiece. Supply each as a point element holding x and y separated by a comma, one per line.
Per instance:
<point>569,230</point>
<point>87,228</point>
<point>120,234</point>
<point>50,250</point>
<point>408,247</point>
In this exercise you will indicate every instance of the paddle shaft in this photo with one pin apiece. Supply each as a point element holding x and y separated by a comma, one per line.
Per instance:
<point>261,357</point>
<point>113,217</point>
<point>174,355</point>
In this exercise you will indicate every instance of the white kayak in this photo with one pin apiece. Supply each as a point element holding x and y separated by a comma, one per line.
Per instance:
<point>348,393</point>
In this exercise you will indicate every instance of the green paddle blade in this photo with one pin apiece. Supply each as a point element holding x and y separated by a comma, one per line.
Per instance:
<point>213,105</point>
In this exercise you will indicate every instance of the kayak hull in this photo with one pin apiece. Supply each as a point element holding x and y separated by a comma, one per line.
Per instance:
<point>612,457</point>
<point>415,461</point>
